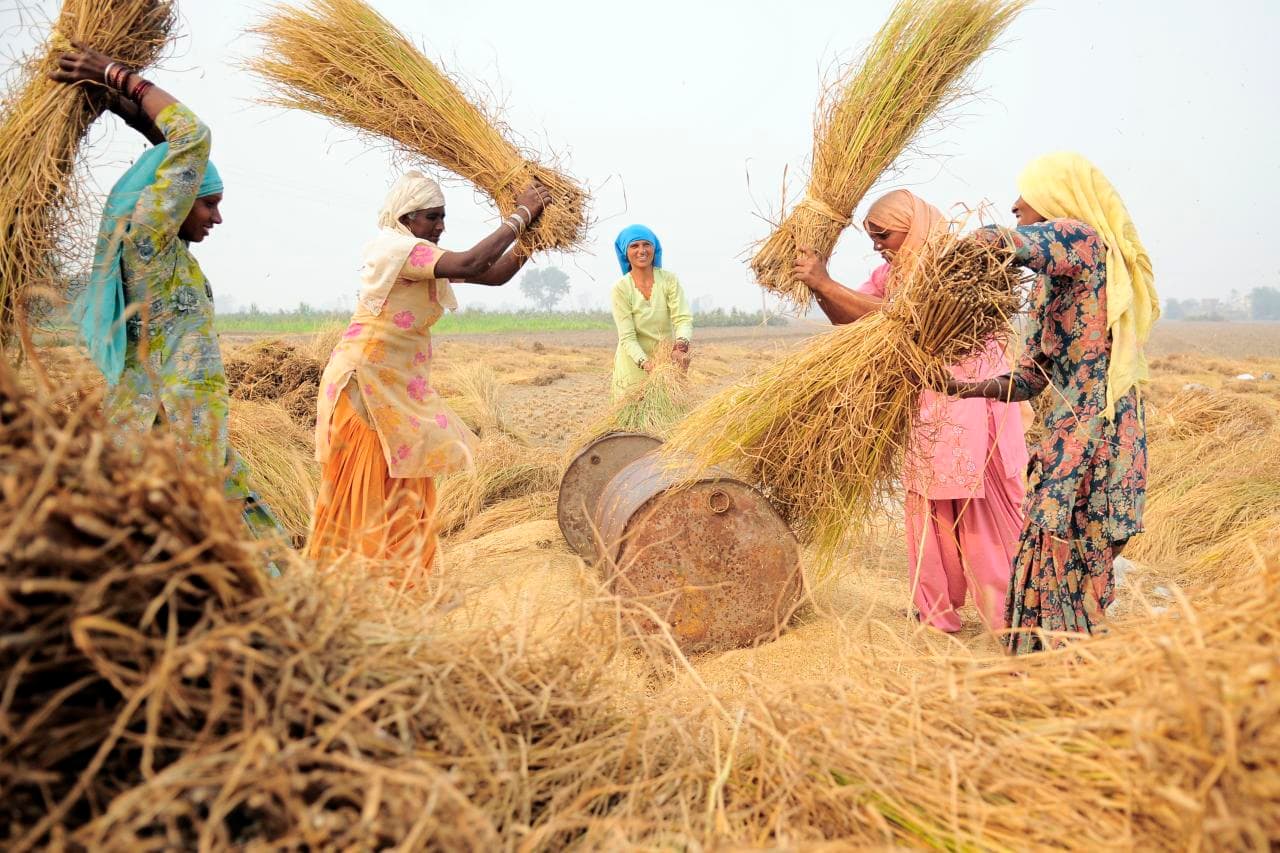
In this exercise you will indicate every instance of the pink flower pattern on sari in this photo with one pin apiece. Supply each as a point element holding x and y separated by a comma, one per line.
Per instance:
<point>417,388</point>
<point>403,319</point>
<point>420,256</point>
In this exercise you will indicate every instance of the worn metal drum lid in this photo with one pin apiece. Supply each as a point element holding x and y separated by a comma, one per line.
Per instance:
<point>584,480</point>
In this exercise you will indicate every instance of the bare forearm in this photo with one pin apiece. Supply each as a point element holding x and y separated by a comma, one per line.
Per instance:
<point>504,269</point>
<point>132,115</point>
<point>475,263</point>
<point>842,304</point>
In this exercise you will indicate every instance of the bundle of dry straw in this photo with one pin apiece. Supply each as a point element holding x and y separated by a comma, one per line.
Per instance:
<point>41,128</point>
<point>344,61</point>
<point>653,406</point>
<point>823,431</point>
<point>915,66</point>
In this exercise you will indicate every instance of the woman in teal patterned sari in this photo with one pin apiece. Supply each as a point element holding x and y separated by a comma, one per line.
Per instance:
<point>147,313</point>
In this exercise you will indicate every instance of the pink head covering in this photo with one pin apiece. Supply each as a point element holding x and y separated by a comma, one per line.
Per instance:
<point>902,210</point>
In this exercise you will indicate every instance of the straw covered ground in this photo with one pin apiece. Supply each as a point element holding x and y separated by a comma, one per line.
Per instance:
<point>158,692</point>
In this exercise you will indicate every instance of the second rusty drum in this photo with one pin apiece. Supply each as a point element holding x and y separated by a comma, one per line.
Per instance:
<point>705,551</point>
<point>584,481</point>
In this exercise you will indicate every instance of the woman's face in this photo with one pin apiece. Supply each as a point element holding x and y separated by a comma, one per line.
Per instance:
<point>200,220</point>
<point>1025,213</point>
<point>640,254</point>
<point>887,243</point>
<point>425,224</point>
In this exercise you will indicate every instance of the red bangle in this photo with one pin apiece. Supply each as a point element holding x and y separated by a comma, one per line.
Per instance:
<point>140,89</point>
<point>119,76</point>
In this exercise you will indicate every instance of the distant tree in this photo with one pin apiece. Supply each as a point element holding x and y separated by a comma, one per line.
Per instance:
<point>1264,303</point>
<point>545,287</point>
<point>1173,310</point>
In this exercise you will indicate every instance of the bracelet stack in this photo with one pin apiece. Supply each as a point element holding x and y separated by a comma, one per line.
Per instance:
<point>516,222</point>
<point>116,76</point>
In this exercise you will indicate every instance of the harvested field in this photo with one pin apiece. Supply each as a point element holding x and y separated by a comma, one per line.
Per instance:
<point>508,702</point>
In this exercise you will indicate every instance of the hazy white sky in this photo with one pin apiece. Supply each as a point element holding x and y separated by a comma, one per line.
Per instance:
<point>685,115</point>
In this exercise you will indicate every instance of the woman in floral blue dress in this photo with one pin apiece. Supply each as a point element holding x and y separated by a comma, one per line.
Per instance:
<point>1087,479</point>
<point>147,314</point>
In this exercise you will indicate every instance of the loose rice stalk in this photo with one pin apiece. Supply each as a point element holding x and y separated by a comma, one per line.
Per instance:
<point>823,431</point>
<point>42,124</point>
<point>344,61</point>
<point>916,66</point>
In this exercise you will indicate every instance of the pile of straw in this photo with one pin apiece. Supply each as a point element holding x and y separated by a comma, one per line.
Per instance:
<point>1213,488</point>
<point>344,61</point>
<point>506,467</point>
<point>281,458</point>
<point>156,691</point>
<point>655,405</point>
<point>272,371</point>
<point>823,431</point>
<point>42,124</point>
<point>915,66</point>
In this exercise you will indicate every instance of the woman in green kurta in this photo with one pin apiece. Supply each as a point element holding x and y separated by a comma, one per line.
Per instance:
<point>649,305</point>
<point>147,313</point>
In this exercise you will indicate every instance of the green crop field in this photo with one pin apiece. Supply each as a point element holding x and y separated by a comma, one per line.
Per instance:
<point>471,322</point>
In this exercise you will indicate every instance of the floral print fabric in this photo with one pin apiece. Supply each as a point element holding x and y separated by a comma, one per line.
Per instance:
<point>1087,478</point>
<point>388,356</point>
<point>173,369</point>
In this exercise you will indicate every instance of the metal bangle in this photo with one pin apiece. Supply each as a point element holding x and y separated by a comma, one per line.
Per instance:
<point>528,213</point>
<point>514,229</point>
<point>520,223</point>
<point>106,73</point>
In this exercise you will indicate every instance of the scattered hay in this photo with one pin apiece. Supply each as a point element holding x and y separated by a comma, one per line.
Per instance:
<point>344,61</point>
<point>1213,487</point>
<point>822,431</point>
<point>281,459</point>
<point>915,66</point>
<point>504,469</point>
<point>536,506</point>
<point>324,340</point>
<point>474,395</point>
<point>157,691</point>
<point>42,124</point>
<point>271,371</point>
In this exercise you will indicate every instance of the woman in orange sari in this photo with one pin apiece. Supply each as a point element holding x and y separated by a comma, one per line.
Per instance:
<point>382,432</point>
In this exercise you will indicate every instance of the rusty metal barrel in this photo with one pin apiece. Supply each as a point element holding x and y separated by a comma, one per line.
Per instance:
<point>705,551</point>
<point>584,481</point>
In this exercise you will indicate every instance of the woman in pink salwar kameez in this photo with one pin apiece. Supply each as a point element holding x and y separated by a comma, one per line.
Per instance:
<point>963,474</point>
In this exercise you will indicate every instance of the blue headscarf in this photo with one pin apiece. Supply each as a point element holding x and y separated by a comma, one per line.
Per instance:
<point>99,310</point>
<point>629,235</point>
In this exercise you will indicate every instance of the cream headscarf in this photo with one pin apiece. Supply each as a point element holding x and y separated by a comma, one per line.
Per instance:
<point>1067,186</point>
<point>385,254</point>
<point>902,210</point>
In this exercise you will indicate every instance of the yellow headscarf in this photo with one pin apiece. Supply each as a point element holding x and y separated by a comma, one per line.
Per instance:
<point>1067,186</point>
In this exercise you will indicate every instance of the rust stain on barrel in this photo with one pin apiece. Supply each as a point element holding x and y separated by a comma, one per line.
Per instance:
<point>707,552</point>
<point>584,480</point>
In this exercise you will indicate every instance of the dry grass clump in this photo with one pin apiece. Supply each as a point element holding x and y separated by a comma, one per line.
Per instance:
<point>344,61</point>
<point>1213,493</point>
<point>324,340</point>
<point>474,395</point>
<point>654,406</point>
<point>915,66</point>
<point>156,691</point>
<point>506,466</point>
<point>535,506</point>
<point>281,458</point>
<point>271,371</point>
<point>822,431</point>
<point>42,124</point>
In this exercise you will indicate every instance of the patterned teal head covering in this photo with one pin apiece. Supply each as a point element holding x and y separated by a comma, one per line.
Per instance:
<point>99,310</point>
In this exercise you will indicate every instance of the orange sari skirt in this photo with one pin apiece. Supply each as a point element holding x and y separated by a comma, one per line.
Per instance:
<point>362,510</point>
